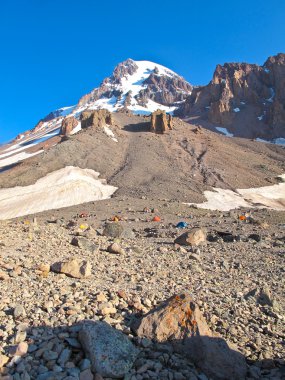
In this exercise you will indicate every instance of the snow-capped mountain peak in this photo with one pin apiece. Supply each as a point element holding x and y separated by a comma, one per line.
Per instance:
<point>139,86</point>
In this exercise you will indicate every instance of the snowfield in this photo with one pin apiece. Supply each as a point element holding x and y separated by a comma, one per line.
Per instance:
<point>62,188</point>
<point>272,197</point>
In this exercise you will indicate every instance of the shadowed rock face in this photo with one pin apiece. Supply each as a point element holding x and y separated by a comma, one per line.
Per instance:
<point>243,93</point>
<point>160,122</point>
<point>98,118</point>
<point>164,90</point>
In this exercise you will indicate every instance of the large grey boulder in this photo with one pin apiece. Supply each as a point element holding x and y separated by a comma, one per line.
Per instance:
<point>110,351</point>
<point>117,230</point>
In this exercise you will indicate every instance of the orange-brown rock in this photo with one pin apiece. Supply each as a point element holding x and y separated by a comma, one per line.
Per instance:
<point>160,122</point>
<point>179,322</point>
<point>96,118</point>
<point>67,125</point>
<point>172,319</point>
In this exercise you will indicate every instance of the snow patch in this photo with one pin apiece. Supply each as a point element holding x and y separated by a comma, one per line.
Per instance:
<point>272,197</point>
<point>17,158</point>
<point>277,141</point>
<point>272,95</point>
<point>62,188</point>
<point>110,133</point>
<point>236,109</point>
<point>224,131</point>
<point>76,129</point>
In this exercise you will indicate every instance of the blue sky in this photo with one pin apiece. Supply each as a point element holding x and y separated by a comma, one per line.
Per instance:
<point>55,51</point>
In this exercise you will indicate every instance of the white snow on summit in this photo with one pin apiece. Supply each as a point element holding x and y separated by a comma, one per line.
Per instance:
<point>134,83</point>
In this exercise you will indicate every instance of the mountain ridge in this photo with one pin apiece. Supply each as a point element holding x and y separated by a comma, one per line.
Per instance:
<point>246,98</point>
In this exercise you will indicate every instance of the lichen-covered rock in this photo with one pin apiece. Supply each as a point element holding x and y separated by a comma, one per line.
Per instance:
<point>179,321</point>
<point>73,268</point>
<point>172,319</point>
<point>160,122</point>
<point>111,353</point>
<point>97,118</point>
<point>192,238</point>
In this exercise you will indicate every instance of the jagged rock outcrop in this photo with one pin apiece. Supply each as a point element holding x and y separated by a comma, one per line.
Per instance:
<point>247,98</point>
<point>67,125</point>
<point>163,89</point>
<point>160,122</point>
<point>97,118</point>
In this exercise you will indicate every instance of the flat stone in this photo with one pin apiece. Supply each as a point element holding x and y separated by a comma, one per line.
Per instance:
<point>85,244</point>
<point>73,268</point>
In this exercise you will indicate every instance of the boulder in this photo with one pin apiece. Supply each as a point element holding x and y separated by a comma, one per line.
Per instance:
<point>180,322</point>
<point>160,122</point>
<point>97,118</point>
<point>115,248</point>
<point>73,268</point>
<point>193,237</point>
<point>110,351</point>
<point>115,230</point>
<point>84,243</point>
<point>67,125</point>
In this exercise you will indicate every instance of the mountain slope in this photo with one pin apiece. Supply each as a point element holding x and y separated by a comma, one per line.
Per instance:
<point>180,164</point>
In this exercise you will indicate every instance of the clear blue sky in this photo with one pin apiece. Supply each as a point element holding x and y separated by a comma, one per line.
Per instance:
<point>54,51</point>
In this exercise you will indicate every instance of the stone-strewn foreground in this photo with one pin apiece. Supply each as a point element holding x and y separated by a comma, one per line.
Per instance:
<point>93,294</point>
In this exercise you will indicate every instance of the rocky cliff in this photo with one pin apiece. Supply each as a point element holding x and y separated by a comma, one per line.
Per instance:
<point>246,98</point>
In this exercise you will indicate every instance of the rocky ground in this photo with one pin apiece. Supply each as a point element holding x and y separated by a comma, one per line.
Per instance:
<point>236,276</point>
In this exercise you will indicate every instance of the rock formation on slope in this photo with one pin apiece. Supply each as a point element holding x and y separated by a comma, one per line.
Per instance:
<point>97,118</point>
<point>68,125</point>
<point>246,98</point>
<point>160,122</point>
